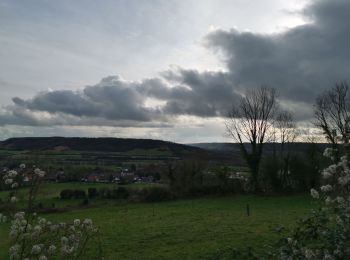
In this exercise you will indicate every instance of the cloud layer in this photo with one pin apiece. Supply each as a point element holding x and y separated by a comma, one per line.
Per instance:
<point>299,63</point>
<point>113,101</point>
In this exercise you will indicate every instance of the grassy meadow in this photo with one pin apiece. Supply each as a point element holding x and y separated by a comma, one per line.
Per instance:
<point>201,228</point>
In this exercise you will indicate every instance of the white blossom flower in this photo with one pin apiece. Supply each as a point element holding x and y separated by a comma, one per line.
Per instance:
<point>337,252</point>
<point>14,250</point>
<point>344,180</point>
<point>339,220</point>
<point>8,181</point>
<point>62,225</point>
<point>87,221</point>
<point>19,215</point>
<point>76,222</point>
<point>340,200</point>
<point>33,230</point>
<point>54,227</point>
<point>3,218</point>
<point>37,229</point>
<point>314,194</point>
<point>328,200</point>
<point>51,250</point>
<point>72,237</point>
<point>66,250</point>
<point>12,174</point>
<point>13,233</point>
<point>64,240</point>
<point>22,166</point>
<point>36,249</point>
<point>42,221</point>
<point>326,188</point>
<point>329,152</point>
<point>309,254</point>
<point>39,172</point>
<point>327,256</point>
<point>329,172</point>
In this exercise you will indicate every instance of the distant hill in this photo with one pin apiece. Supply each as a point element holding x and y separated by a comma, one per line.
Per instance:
<point>95,144</point>
<point>234,149</point>
<point>141,148</point>
<point>229,147</point>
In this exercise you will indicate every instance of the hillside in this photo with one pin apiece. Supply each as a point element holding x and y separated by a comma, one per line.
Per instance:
<point>234,149</point>
<point>96,144</point>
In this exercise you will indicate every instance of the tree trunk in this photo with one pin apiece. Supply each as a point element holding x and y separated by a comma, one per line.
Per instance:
<point>254,165</point>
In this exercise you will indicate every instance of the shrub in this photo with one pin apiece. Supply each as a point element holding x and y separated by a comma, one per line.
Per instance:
<point>72,194</point>
<point>232,186</point>
<point>92,193</point>
<point>154,194</point>
<point>205,190</point>
<point>105,193</point>
<point>325,234</point>
<point>85,202</point>
<point>66,194</point>
<point>79,194</point>
<point>120,193</point>
<point>33,237</point>
<point>271,169</point>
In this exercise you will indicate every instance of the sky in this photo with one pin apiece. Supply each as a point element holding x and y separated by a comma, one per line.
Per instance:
<point>162,69</point>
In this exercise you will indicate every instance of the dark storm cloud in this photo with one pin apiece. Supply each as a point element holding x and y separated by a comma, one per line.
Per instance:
<point>111,99</point>
<point>114,100</point>
<point>299,63</point>
<point>205,94</point>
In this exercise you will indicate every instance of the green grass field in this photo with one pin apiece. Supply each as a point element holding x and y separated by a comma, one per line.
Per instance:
<point>183,229</point>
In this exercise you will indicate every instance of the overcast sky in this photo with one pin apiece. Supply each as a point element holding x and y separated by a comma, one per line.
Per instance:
<point>165,69</point>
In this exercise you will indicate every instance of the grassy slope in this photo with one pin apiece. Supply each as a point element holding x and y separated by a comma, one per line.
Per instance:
<point>186,229</point>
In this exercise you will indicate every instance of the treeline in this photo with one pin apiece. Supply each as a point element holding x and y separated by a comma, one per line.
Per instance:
<point>258,118</point>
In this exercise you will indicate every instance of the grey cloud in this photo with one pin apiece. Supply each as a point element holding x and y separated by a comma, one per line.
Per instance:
<point>24,117</point>
<point>299,62</point>
<point>114,101</point>
<point>59,101</point>
<point>111,99</point>
<point>206,94</point>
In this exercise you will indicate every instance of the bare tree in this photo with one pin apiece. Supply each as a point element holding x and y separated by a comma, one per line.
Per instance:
<point>332,113</point>
<point>285,127</point>
<point>251,121</point>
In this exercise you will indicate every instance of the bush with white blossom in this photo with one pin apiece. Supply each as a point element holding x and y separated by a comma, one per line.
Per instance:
<point>326,233</point>
<point>34,237</point>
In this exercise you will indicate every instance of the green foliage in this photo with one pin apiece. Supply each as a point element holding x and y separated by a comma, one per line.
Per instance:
<point>92,193</point>
<point>155,194</point>
<point>304,174</point>
<point>72,194</point>
<point>271,177</point>
<point>120,193</point>
<point>325,234</point>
